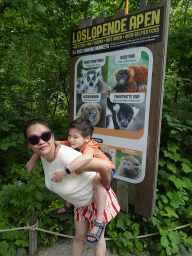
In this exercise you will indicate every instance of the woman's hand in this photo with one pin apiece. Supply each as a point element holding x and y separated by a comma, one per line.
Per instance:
<point>59,174</point>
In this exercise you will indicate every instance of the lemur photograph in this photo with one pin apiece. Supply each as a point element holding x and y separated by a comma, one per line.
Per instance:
<point>94,111</point>
<point>128,166</point>
<point>91,81</point>
<point>124,116</point>
<point>126,77</point>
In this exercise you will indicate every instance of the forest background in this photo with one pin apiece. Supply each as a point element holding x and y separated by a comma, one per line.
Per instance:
<point>34,82</point>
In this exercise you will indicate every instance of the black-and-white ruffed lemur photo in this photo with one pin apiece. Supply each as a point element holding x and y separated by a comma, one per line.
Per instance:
<point>123,116</point>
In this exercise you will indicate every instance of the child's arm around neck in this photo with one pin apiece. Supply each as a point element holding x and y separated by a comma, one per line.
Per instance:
<point>81,161</point>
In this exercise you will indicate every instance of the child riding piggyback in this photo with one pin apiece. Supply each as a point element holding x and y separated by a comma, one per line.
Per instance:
<point>79,138</point>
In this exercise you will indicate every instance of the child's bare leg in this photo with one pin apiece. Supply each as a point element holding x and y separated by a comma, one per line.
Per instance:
<point>100,196</point>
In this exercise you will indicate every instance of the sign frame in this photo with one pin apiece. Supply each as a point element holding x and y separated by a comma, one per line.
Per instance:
<point>140,197</point>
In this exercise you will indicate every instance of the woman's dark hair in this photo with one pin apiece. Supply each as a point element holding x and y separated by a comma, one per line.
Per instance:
<point>83,125</point>
<point>35,121</point>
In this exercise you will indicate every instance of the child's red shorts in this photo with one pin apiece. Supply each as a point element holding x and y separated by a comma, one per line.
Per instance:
<point>90,212</point>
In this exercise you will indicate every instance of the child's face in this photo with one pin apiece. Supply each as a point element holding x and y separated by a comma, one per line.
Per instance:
<point>76,140</point>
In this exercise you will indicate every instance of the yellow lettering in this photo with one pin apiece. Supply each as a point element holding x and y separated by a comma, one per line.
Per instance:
<point>123,25</point>
<point>155,17</point>
<point>99,30</point>
<point>79,36</point>
<point>132,23</point>
<point>147,18</point>
<point>140,19</point>
<point>83,34</point>
<point>88,37</point>
<point>111,28</point>
<point>117,26</point>
<point>94,32</point>
<point>105,29</point>
<point>74,41</point>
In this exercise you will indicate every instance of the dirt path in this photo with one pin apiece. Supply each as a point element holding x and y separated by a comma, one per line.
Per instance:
<point>63,248</point>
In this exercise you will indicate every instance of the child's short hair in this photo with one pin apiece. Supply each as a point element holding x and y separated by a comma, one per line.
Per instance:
<point>83,125</point>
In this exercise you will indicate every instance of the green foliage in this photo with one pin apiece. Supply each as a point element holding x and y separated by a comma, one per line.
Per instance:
<point>173,201</point>
<point>34,78</point>
<point>26,196</point>
<point>59,225</point>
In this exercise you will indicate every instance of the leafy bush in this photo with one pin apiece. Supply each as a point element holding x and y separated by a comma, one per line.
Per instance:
<point>25,197</point>
<point>59,225</point>
<point>173,202</point>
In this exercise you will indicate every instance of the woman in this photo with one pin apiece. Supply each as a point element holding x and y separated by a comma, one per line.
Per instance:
<point>77,188</point>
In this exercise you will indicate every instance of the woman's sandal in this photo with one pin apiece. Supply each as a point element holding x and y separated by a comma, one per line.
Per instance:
<point>68,212</point>
<point>97,236</point>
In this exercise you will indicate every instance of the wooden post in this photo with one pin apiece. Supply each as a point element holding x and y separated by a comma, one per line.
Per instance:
<point>32,236</point>
<point>122,194</point>
<point>143,5</point>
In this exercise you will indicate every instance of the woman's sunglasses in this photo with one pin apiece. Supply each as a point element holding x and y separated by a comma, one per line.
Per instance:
<point>34,139</point>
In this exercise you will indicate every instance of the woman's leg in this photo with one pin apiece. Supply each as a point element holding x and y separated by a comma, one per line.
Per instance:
<point>100,248</point>
<point>100,196</point>
<point>81,228</point>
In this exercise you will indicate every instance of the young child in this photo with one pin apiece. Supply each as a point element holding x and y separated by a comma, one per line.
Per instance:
<point>79,138</point>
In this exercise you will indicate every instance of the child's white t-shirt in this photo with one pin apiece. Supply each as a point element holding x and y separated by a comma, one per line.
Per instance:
<point>76,189</point>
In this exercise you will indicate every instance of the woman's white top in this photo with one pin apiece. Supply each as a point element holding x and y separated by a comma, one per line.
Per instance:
<point>76,189</point>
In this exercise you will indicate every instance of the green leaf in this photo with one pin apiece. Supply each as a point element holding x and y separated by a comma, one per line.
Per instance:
<point>172,146</point>
<point>135,228</point>
<point>38,205</point>
<point>128,234</point>
<point>40,8</point>
<point>4,247</point>
<point>168,250</point>
<point>113,234</point>
<point>159,247</point>
<point>23,243</point>
<point>4,146</point>
<point>121,223</point>
<point>174,237</point>
<point>122,251</point>
<point>131,246</point>
<point>139,245</point>
<point>46,52</point>
<point>172,167</point>
<point>14,136</point>
<point>5,128</point>
<point>154,220</point>
<point>39,196</point>
<point>171,212</point>
<point>186,168</point>
<point>174,156</point>
<point>163,232</point>
<point>128,222</point>
<point>162,162</point>
<point>163,253</point>
<point>175,247</point>
<point>164,241</point>
<point>177,182</point>
<point>164,199</point>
